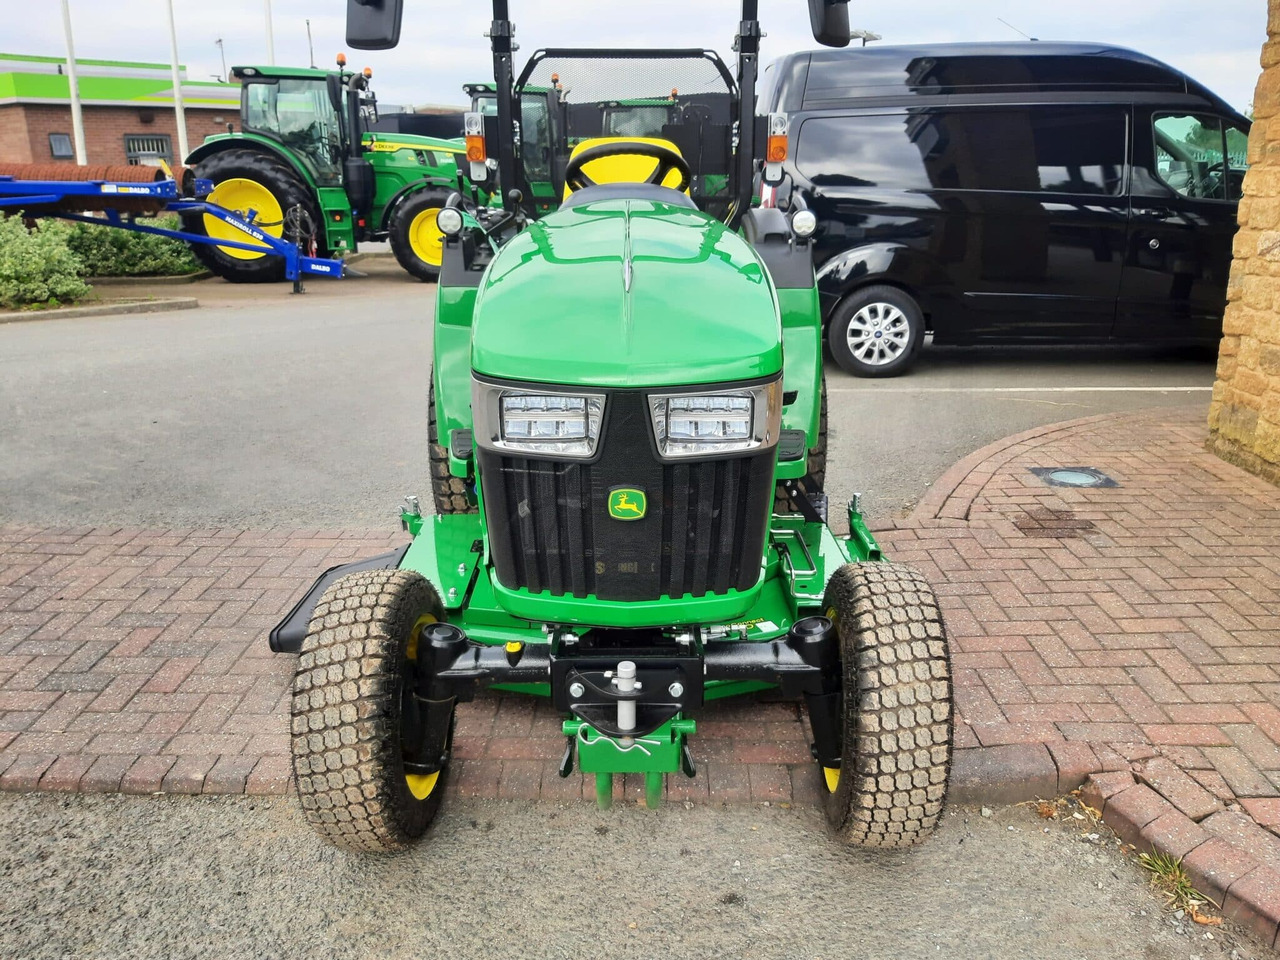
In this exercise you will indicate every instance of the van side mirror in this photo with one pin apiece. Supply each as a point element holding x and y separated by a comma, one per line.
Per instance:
<point>830,22</point>
<point>373,24</point>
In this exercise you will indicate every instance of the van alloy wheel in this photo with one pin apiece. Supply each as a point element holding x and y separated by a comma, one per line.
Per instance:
<point>878,334</point>
<point>876,331</point>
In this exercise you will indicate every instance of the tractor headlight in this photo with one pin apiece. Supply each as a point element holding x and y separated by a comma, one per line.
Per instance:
<point>546,424</point>
<point>706,423</point>
<point>449,220</point>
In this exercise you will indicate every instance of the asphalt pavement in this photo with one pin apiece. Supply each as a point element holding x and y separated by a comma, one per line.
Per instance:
<point>92,876</point>
<point>267,408</point>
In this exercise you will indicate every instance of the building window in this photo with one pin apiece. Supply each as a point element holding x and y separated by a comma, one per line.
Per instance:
<point>148,150</point>
<point>60,146</point>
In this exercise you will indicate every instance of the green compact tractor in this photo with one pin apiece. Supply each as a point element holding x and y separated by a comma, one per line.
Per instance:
<point>627,450</point>
<point>306,165</point>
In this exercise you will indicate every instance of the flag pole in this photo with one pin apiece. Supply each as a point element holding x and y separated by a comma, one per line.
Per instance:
<point>77,118</point>
<point>180,115</point>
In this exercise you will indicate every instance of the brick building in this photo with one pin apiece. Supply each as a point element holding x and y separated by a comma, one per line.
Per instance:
<point>127,108</point>
<point>1244,418</point>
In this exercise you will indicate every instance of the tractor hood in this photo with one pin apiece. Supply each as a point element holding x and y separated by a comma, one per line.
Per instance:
<point>627,293</point>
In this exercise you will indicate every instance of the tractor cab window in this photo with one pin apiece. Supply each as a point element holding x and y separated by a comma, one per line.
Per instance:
<point>637,120</point>
<point>298,114</point>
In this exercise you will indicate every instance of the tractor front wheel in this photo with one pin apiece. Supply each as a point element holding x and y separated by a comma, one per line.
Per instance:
<point>364,744</point>
<point>257,187</point>
<point>895,717</point>
<point>415,239</point>
<point>815,477</point>
<point>449,493</point>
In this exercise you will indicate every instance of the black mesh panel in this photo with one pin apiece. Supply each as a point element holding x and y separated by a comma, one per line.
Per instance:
<point>703,531</point>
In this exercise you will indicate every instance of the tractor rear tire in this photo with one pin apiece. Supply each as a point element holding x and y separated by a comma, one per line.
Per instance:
<point>450,493</point>
<point>896,712</point>
<point>415,239</point>
<point>255,172</point>
<point>813,481</point>
<point>351,692</point>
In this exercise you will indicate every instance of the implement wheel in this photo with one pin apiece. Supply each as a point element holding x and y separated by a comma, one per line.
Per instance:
<point>248,182</point>
<point>415,239</point>
<point>356,721</point>
<point>449,492</point>
<point>896,710</point>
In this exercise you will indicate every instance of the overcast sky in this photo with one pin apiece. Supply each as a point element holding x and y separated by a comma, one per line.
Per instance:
<point>442,44</point>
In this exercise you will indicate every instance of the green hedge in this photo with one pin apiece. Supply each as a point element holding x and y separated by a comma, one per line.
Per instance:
<point>120,253</point>
<point>37,267</point>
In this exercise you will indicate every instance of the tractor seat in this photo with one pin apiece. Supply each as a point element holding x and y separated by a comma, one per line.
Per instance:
<point>628,191</point>
<point>622,169</point>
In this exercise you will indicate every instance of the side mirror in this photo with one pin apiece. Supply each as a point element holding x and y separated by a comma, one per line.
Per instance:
<point>374,24</point>
<point>829,20</point>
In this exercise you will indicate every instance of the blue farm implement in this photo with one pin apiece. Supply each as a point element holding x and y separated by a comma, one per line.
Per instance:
<point>119,202</point>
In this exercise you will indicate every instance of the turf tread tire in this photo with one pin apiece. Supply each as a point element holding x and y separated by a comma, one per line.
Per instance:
<point>449,493</point>
<point>345,726</point>
<point>897,726</point>
<point>816,476</point>
<point>289,190</point>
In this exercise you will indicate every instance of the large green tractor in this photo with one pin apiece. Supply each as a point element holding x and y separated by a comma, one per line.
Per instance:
<point>306,164</point>
<point>628,433</point>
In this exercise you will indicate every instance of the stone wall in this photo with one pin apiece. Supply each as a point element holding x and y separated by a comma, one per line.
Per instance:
<point>1244,418</point>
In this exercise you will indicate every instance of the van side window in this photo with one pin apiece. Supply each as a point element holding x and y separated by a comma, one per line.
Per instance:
<point>1050,149</point>
<point>1200,156</point>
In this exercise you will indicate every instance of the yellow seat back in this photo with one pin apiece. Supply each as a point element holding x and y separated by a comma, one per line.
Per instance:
<point>624,168</point>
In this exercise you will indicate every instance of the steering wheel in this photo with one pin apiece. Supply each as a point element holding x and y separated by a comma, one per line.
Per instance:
<point>575,178</point>
<point>1209,182</point>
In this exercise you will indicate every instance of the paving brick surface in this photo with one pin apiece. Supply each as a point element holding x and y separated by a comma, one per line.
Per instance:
<point>1093,630</point>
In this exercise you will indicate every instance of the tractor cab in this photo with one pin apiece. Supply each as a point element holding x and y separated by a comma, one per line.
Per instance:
<point>305,111</point>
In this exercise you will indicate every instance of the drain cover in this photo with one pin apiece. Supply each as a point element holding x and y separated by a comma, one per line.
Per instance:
<point>1073,477</point>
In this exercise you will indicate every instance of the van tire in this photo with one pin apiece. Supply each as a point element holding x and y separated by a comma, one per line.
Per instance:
<point>894,324</point>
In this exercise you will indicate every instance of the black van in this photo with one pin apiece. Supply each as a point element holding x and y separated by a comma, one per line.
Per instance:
<point>1002,192</point>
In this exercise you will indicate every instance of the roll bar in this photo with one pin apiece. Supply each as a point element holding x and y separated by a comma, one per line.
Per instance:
<point>375,25</point>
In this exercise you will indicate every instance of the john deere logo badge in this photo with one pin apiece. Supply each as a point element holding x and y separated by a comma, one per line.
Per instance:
<point>627,503</point>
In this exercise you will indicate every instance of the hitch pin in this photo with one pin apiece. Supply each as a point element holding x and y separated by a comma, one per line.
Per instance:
<point>625,681</point>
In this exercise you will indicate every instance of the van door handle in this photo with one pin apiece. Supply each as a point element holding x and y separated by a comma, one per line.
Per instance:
<point>1154,213</point>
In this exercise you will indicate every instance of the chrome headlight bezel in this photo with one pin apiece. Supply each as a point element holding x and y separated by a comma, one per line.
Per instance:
<point>487,421</point>
<point>764,430</point>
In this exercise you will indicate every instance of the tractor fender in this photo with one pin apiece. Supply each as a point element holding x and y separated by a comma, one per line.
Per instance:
<point>252,144</point>
<point>411,188</point>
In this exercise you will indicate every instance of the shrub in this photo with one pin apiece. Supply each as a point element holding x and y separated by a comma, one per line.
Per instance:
<point>37,266</point>
<point>121,253</point>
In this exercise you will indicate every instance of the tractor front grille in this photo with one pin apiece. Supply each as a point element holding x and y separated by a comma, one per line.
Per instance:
<point>703,532</point>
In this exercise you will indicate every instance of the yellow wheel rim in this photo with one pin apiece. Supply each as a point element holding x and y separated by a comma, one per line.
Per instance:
<point>245,197</point>
<point>425,239</point>
<point>832,774</point>
<point>420,784</point>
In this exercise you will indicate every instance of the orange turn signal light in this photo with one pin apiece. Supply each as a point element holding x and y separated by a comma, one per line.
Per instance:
<point>475,149</point>
<point>776,149</point>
